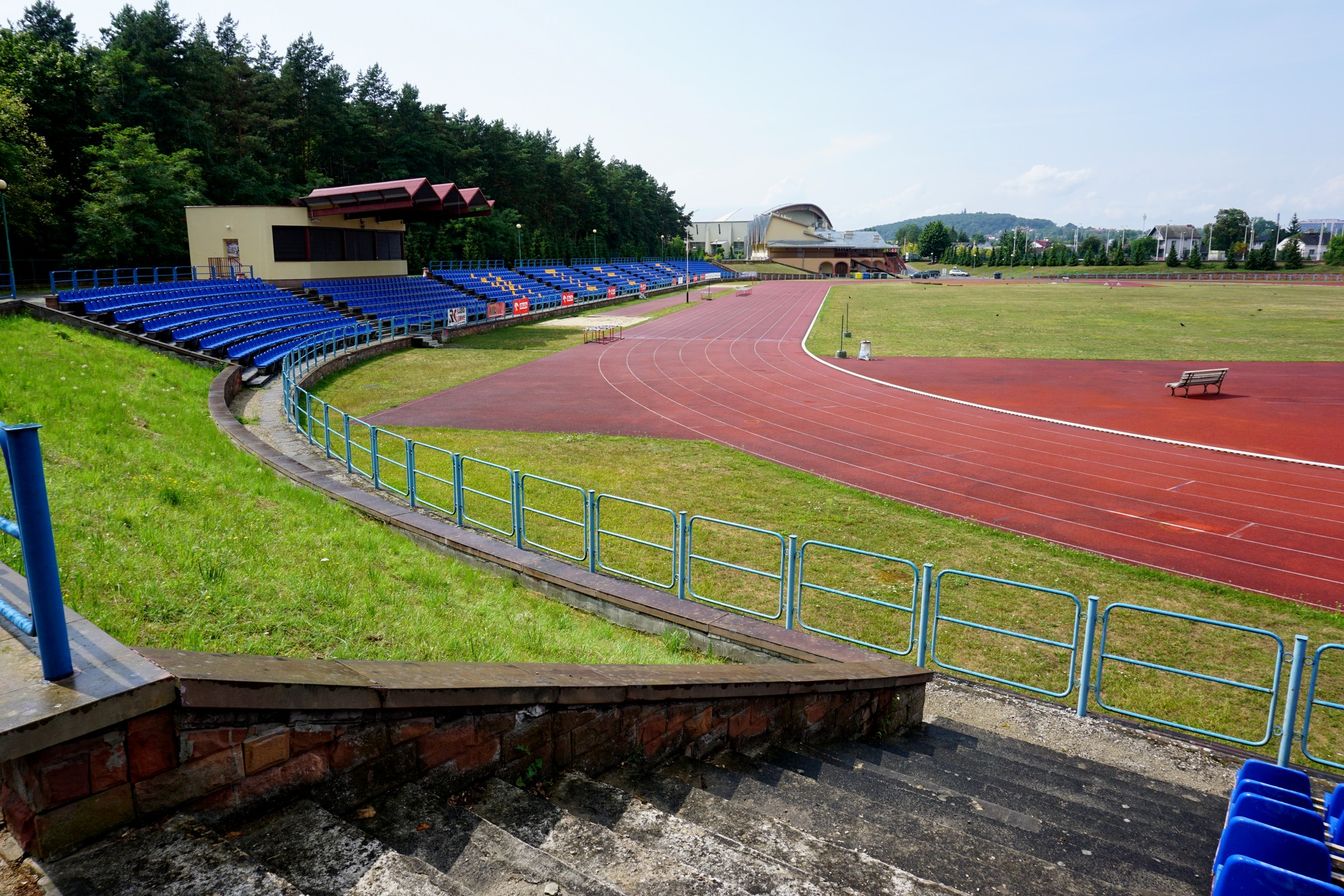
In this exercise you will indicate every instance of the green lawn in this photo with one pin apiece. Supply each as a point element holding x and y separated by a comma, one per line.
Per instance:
<point>958,318</point>
<point>1124,270</point>
<point>705,478</point>
<point>170,536</point>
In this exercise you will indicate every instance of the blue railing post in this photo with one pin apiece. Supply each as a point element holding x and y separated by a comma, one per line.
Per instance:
<point>308,416</point>
<point>681,561</point>
<point>591,525</point>
<point>410,472</point>
<point>1089,646</point>
<point>39,549</point>
<point>921,634</point>
<point>790,579</point>
<point>373,456</point>
<point>459,494</point>
<point>1290,701</point>
<point>349,461</point>
<point>516,503</point>
<point>326,429</point>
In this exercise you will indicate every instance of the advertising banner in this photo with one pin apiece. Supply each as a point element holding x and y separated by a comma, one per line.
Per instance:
<point>643,288</point>
<point>566,298</point>
<point>521,306</point>
<point>494,309</point>
<point>611,292</point>
<point>457,315</point>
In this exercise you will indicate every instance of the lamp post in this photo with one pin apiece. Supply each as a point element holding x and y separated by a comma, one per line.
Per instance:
<point>687,244</point>
<point>9,256</point>
<point>518,231</point>
<point>594,245</point>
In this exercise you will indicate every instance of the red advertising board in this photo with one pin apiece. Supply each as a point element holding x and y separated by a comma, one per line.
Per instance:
<point>494,309</point>
<point>611,292</point>
<point>520,306</point>
<point>566,298</point>
<point>643,288</point>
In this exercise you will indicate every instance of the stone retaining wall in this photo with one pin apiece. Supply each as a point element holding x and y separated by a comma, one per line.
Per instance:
<point>247,731</point>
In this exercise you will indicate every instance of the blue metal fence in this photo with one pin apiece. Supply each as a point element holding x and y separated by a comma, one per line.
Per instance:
<point>1066,642</point>
<point>90,277</point>
<point>32,528</point>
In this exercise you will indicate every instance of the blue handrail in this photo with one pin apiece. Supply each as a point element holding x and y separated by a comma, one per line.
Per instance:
<point>28,485</point>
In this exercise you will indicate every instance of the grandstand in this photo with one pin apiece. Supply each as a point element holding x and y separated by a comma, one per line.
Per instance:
<point>248,322</point>
<point>255,323</point>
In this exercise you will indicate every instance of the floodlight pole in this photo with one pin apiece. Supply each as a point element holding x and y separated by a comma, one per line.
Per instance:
<point>687,245</point>
<point>9,255</point>
<point>594,245</point>
<point>518,259</point>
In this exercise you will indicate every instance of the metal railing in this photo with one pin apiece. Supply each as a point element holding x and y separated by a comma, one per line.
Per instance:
<point>935,614</point>
<point>32,528</point>
<point>91,277</point>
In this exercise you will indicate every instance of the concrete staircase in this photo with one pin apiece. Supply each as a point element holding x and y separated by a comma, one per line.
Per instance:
<point>949,809</point>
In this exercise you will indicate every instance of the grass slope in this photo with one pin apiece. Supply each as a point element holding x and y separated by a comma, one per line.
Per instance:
<point>169,536</point>
<point>1178,321</point>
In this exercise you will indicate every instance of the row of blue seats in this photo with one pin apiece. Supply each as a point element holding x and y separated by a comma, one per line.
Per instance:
<point>130,297</point>
<point>175,299</point>
<point>246,321</point>
<point>497,285</point>
<point>1277,840</point>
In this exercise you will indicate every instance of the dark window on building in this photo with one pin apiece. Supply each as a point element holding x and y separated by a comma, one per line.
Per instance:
<point>389,245</point>
<point>290,243</point>
<point>358,245</point>
<point>327,243</point>
<point>336,244</point>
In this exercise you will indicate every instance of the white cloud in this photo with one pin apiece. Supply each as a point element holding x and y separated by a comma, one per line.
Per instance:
<point>1044,180</point>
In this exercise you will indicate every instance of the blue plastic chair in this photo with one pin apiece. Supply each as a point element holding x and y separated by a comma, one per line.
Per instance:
<point>1291,797</point>
<point>1277,775</point>
<point>1283,816</point>
<point>1291,852</point>
<point>1244,876</point>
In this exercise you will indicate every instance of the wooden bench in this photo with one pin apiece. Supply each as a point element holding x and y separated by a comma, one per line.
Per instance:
<point>1205,378</point>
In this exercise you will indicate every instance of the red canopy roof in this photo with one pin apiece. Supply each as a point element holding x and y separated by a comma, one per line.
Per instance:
<point>413,198</point>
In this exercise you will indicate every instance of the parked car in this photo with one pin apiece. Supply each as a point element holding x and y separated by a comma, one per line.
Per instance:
<point>957,272</point>
<point>925,275</point>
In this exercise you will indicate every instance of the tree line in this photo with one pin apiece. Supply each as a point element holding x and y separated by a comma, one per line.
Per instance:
<point>105,143</point>
<point>1242,240</point>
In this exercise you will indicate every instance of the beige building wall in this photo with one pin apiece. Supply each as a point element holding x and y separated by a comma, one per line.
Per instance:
<point>211,229</point>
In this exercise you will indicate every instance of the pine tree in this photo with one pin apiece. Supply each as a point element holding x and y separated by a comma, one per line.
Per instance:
<point>1292,253</point>
<point>1194,261</point>
<point>1173,261</point>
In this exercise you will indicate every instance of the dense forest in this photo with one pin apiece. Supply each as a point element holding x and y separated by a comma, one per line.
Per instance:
<point>103,144</point>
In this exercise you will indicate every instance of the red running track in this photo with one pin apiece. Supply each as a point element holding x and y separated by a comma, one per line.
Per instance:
<point>734,371</point>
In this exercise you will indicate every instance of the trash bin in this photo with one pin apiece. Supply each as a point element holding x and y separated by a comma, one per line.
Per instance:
<point>865,350</point>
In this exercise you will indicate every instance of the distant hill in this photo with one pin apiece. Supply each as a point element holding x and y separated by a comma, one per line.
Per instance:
<point>988,223</point>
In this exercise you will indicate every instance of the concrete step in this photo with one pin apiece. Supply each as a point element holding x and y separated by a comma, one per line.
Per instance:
<point>908,836</point>
<point>326,856</point>
<point>181,857</point>
<point>592,848</point>
<point>1064,791</point>
<point>670,835</point>
<point>1030,825</point>
<point>482,857</point>
<point>829,859</point>
<point>1107,784</point>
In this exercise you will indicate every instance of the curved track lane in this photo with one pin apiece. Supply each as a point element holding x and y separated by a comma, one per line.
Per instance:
<point>734,371</point>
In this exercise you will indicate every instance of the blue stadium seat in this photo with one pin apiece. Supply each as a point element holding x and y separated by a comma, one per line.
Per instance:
<point>1306,856</point>
<point>1244,876</point>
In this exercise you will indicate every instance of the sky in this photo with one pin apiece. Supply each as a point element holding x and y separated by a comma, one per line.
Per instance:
<point>1081,112</point>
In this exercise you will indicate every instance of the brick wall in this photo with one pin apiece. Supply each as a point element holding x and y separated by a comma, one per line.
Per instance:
<point>220,761</point>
